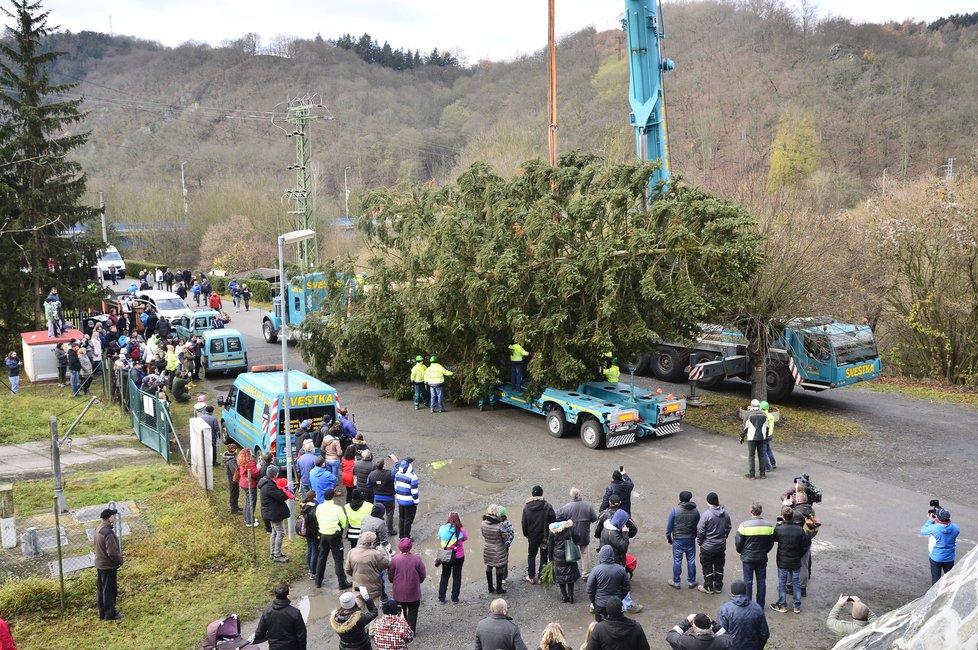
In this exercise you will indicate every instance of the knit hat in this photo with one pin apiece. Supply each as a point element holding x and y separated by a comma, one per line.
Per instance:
<point>209,408</point>
<point>685,496</point>
<point>348,600</point>
<point>613,606</point>
<point>306,423</point>
<point>501,510</point>
<point>702,622</point>
<point>614,499</point>
<point>713,499</point>
<point>390,607</point>
<point>405,544</point>
<point>860,612</point>
<point>367,538</point>
<point>619,519</point>
<point>537,491</point>
<point>942,515</point>
<point>738,588</point>
<point>108,512</point>
<point>616,475</point>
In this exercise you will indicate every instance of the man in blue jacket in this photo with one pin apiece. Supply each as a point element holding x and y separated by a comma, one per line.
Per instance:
<point>406,494</point>
<point>942,543</point>
<point>743,619</point>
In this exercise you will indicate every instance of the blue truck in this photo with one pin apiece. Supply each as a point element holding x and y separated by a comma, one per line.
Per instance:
<point>815,353</point>
<point>604,414</point>
<point>306,296</point>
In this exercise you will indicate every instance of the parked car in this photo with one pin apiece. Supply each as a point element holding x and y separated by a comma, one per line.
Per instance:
<point>193,323</point>
<point>165,303</point>
<point>223,351</point>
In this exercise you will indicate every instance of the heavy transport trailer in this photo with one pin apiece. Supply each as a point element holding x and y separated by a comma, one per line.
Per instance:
<point>815,353</point>
<point>602,413</point>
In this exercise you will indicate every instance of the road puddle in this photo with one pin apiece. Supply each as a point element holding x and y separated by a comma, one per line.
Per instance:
<point>317,605</point>
<point>479,476</point>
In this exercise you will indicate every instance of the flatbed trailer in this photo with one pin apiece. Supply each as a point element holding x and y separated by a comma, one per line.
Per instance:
<point>659,414</point>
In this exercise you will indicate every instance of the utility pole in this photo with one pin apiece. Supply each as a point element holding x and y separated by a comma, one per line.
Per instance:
<point>101,209</point>
<point>183,185</point>
<point>346,190</point>
<point>949,176</point>
<point>300,113</point>
<point>884,181</point>
<point>552,86</point>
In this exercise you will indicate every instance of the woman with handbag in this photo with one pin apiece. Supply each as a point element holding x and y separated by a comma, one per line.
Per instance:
<point>564,552</point>
<point>451,556</point>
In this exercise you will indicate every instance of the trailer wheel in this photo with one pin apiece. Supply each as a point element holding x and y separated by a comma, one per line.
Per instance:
<point>270,335</point>
<point>556,424</point>
<point>644,366</point>
<point>592,434</point>
<point>780,383</point>
<point>667,364</point>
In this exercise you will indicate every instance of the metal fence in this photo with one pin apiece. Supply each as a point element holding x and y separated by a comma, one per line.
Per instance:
<point>150,416</point>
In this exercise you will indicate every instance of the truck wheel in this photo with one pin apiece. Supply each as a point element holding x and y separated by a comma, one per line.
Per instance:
<point>270,334</point>
<point>712,382</point>
<point>780,383</point>
<point>592,434</point>
<point>644,367</point>
<point>556,424</point>
<point>667,364</point>
<point>224,433</point>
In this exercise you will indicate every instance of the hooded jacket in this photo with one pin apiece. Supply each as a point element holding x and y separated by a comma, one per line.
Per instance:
<point>406,485</point>
<point>562,532</point>
<point>754,540</point>
<point>537,515</point>
<point>618,633</point>
<point>356,512</point>
<point>273,500</point>
<point>680,638</point>
<point>282,626</point>
<point>375,523</point>
<point>943,539</point>
<point>320,480</point>
<point>607,579</point>
<point>683,520</point>
<point>792,544</point>
<point>607,515</point>
<point>351,626</point>
<point>713,529</point>
<point>611,535</point>
<point>495,552</point>
<point>623,488</point>
<point>744,620</point>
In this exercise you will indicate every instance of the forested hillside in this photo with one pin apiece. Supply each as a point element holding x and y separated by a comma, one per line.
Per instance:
<point>762,100</point>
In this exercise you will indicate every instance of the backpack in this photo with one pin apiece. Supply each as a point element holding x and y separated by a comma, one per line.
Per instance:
<point>301,525</point>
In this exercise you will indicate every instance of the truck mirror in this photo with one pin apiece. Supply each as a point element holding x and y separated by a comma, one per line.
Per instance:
<point>220,401</point>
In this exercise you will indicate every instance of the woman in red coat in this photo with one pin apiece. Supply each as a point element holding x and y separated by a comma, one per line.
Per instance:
<point>215,301</point>
<point>346,471</point>
<point>248,482</point>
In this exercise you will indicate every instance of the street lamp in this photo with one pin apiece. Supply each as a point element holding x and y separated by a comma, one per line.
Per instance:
<point>346,190</point>
<point>293,237</point>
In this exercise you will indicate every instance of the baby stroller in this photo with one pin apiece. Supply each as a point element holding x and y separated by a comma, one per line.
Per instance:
<point>225,634</point>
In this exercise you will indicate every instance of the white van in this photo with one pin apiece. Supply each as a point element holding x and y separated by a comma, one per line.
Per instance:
<point>107,258</point>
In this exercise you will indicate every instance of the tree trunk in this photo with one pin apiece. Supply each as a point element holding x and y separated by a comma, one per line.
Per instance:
<point>757,358</point>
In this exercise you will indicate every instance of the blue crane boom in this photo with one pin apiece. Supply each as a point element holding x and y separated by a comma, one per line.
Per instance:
<point>643,24</point>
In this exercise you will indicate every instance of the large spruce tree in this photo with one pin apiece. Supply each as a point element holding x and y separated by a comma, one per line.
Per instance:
<point>40,188</point>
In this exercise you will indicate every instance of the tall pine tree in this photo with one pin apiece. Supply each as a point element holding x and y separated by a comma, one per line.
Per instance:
<point>40,189</point>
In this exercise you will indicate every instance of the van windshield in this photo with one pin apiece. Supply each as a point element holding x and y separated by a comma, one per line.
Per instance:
<point>111,256</point>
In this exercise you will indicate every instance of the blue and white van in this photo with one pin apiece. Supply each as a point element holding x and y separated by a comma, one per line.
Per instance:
<point>223,351</point>
<point>253,414</point>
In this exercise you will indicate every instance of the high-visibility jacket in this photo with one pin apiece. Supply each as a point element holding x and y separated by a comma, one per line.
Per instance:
<point>354,518</point>
<point>516,352</point>
<point>418,372</point>
<point>331,518</point>
<point>172,363</point>
<point>612,373</point>
<point>436,373</point>
<point>770,424</point>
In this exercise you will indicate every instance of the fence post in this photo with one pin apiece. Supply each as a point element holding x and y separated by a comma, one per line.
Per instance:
<point>61,568</point>
<point>59,493</point>
<point>8,519</point>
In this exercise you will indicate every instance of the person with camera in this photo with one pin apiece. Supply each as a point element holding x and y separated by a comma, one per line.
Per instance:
<point>943,540</point>
<point>698,632</point>
<point>861,616</point>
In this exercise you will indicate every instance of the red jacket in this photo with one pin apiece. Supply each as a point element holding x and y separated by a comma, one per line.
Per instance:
<point>347,473</point>
<point>243,475</point>
<point>6,639</point>
<point>215,302</point>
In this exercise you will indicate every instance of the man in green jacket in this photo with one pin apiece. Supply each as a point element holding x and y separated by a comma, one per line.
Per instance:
<point>861,616</point>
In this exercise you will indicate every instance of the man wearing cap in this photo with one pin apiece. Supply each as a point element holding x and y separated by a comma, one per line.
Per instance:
<point>417,381</point>
<point>281,624</point>
<point>743,619</point>
<point>755,432</point>
<point>538,514</point>
<point>303,433</point>
<point>350,622</point>
<point>942,543</point>
<point>770,462</point>
<point>434,377</point>
<point>407,495</point>
<point>622,486</point>
<point>712,532</point>
<point>698,632</point>
<point>498,631</point>
<point>367,564</point>
<point>208,417</point>
<point>616,632</point>
<point>108,559</point>
<point>861,616</point>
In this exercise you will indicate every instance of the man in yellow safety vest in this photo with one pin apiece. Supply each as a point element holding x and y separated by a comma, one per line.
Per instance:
<point>434,376</point>
<point>516,356</point>
<point>417,381</point>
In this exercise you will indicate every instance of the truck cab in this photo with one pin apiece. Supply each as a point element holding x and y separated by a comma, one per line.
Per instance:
<point>253,412</point>
<point>305,297</point>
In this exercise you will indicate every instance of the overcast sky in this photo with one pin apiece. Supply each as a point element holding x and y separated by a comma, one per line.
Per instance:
<point>495,29</point>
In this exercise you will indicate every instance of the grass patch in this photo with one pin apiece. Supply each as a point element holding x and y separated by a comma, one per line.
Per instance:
<point>721,417</point>
<point>926,390</point>
<point>26,415</point>
<point>194,566</point>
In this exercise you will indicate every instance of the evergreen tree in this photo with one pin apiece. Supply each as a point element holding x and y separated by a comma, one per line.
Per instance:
<point>41,188</point>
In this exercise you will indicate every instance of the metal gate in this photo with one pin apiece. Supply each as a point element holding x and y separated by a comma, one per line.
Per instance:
<point>150,420</point>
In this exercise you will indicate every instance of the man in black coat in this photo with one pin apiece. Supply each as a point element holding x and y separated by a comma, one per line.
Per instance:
<point>275,510</point>
<point>622,486</point>
<point>281,624</point>
<point>617,632</point>
<point>537,516</point>
<point>793,543</point>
